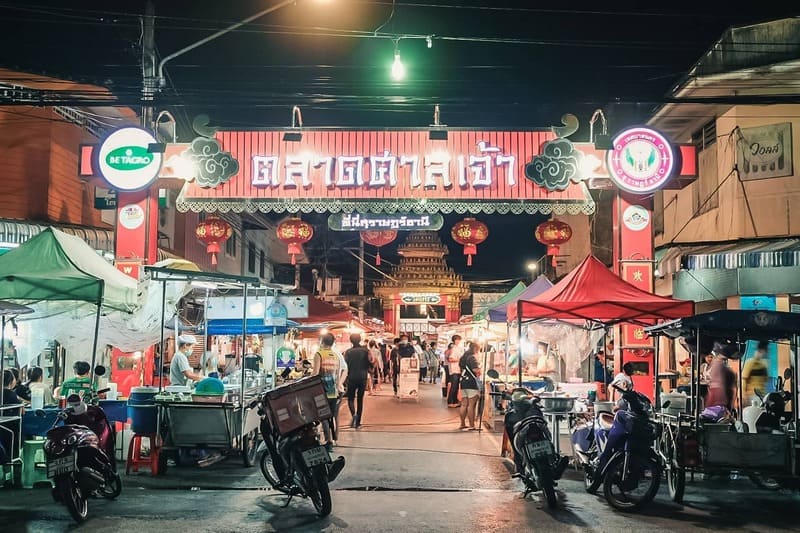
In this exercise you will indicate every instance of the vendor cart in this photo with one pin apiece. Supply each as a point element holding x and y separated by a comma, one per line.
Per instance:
<point>213,426</point>
<point>689,442</point>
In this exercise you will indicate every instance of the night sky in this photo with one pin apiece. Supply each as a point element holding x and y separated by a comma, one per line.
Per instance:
<point>493,63</point>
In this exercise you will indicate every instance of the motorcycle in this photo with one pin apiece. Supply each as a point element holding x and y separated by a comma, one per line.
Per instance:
<point>296,464</point>
<point>535,459</point>
<point>627,465</point>
<point>80,454</point>
<point>589,439</point>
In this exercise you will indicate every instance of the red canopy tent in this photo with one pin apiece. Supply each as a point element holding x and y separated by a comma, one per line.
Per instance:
<point>591,292</point>
<point>593,296</point>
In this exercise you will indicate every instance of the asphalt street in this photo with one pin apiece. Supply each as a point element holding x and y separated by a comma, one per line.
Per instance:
<point>408,469</point>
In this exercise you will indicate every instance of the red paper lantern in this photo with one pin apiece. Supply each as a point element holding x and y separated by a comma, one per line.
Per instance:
<point>379,238</point>
<point>552,234</point>
<point>213,231</point>
<point>294,232</point>
<point>469,233</point>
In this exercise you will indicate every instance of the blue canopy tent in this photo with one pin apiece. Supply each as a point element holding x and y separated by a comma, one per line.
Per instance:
<point>497,313</point>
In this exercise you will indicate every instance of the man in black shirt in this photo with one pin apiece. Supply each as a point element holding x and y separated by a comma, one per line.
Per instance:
<point>357,359</point>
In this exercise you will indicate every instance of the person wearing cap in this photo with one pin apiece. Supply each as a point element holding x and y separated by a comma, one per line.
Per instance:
<point>180,372</point>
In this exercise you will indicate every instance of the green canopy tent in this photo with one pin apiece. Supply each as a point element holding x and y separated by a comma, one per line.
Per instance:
<point>55,266</point>
<point>483,313</point>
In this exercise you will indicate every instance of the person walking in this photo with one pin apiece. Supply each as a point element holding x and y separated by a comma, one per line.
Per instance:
<point>423,362</point>
<point>470,386</point>
<point>455,371</point>
<point>331,366</point>
<point>433,362</point>
<point>358,364</point>
<point>375,353</point>
<point>394,363</point>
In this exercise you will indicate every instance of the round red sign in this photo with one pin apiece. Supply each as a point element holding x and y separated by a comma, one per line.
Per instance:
<point>641,160</point>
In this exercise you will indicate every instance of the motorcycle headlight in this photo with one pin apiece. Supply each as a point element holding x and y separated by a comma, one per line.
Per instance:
<point>70,440</point>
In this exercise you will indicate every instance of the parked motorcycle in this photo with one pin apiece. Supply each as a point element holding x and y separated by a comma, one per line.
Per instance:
<point>296,463</point>
<point>627,465</point>
<point>537,464</point>
<point>80,454</point>
<point>589,439</point>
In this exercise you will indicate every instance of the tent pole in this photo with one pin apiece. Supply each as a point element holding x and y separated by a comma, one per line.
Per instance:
<point>506,351</point>
<point>695,388</point>
<point>482,397</point>
<point>96,333</point>
<point>3,357</point>
<point>163,347</point>
<point>241,385</point>
<point>519,342</point>
<point>657,383</point>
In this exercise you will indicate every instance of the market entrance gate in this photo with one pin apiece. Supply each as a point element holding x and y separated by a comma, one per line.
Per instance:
<point>407,173</point>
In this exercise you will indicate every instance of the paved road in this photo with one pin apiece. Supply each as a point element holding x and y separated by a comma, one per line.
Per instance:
<point>408,469</point>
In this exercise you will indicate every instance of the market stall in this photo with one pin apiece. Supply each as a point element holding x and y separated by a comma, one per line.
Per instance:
<point>590,299</point>
<point>216,420</point>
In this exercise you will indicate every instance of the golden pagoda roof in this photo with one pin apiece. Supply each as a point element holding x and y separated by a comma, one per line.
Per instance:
<point>423,268</point>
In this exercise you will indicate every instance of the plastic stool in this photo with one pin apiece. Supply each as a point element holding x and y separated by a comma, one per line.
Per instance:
<point>135,458</point>
<point>34,466</point>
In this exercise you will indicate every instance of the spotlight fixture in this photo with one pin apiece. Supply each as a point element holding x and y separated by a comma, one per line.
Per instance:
<point>429,41</point>
<point>295,135</point>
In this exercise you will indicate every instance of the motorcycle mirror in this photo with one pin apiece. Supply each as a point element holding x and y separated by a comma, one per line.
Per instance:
<point>492,373</point>
<point>759,394</point>
<point>666,404</point>
<point>99,370</point>
<point>40,413</point>
<point>787,374</point>
<point>779,383</point>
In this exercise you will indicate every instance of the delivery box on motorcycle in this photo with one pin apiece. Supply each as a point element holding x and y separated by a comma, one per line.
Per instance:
<point>297,404</point>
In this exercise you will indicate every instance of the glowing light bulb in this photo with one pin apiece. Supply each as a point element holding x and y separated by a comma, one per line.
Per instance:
<point>398,68</point>
<point>429,41</point>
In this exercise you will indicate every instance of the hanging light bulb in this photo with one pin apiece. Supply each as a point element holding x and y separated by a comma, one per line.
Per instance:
<point>429,41</point>
<point>398,68</point>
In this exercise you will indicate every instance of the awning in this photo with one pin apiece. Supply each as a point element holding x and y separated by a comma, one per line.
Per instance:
<point>15,232</point>
<point>739,254</point>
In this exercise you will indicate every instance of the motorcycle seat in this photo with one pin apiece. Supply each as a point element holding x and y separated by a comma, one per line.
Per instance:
<point>606,420</point>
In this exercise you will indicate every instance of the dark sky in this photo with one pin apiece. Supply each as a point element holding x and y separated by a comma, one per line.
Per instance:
<point>493,63</point>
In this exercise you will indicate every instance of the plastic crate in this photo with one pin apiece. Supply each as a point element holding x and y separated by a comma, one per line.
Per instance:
<point>298,404</point>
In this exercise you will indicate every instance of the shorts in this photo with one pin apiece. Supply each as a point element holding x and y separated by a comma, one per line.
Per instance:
<point>470,393</point>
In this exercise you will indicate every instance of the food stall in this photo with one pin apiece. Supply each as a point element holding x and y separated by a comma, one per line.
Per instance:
<point>217,421</point>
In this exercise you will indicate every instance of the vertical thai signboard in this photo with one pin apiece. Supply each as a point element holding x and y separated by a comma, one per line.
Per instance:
<point>640,162</point>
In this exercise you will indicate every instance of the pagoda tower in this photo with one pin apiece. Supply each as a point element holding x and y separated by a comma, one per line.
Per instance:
<point>421,279</point>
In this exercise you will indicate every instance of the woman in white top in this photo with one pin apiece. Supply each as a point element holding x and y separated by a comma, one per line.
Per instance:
<point>36,382</point>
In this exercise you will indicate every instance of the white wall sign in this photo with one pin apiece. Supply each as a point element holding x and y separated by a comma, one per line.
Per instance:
<point>636,217</point>
<point>125,161</point>
<point>131,216</point>
<point>765,151</point>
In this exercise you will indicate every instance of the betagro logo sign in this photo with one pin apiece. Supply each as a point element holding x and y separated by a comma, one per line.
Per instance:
<point>125,161</point>
<point>129,158</point>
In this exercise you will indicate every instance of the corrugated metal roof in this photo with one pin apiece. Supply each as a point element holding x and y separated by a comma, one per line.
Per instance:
<point>728,256</point>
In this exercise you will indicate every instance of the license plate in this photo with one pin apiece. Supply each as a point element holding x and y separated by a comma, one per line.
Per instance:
<point>316,456</point>
<point>62,465</point>
<point>539,449</point>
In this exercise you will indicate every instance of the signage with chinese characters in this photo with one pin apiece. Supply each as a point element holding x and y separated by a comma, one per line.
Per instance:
<point>420,298</point>
<point>125,160</point>
<point>640,275</point>
<point>641,160</point>
<point>335,165</point>
<point>373,221</point>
